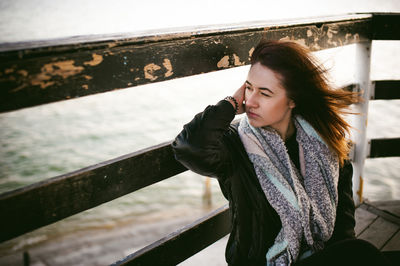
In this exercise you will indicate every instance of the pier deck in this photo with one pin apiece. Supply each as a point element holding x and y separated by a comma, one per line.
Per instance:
<point>379,223</point>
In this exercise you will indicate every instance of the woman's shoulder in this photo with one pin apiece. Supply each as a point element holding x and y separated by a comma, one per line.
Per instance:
<point>232,134</point>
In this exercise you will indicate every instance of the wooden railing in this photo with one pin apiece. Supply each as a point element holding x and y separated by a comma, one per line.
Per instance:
<point>42,72</point>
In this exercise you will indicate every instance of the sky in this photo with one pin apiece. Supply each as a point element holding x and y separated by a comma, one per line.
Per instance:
<point>27,20</point>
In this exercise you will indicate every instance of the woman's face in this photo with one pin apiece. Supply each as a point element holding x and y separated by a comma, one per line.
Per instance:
<point>266,100</point>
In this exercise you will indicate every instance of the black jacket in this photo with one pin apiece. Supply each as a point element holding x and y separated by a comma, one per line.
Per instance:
<point>209,145</point>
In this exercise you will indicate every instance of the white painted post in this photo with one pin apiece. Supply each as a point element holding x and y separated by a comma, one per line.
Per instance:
<point>362,78</point>
<point>207,199</point>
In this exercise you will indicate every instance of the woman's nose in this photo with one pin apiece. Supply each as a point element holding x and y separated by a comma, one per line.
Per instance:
<point>251,100</point>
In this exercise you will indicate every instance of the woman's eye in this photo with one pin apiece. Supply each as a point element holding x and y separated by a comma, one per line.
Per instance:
<point>266,95</point>
<point>248,88</point>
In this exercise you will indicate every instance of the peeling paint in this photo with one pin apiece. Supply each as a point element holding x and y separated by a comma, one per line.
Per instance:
<point>8,70</point>
<point>168,67</point>
<point>347,37</point>
<point>42,80</point>
<point>64,69</point>
<point>153,61</point>
<point>23,72</point>
<point>42,84</point>
<point>331,33</point>
<point>315,45</point>
<point>251,52</point>
<point>97,59</point>
<point>149,71</point>
<point>85,86</point>
<point>224,62</point>
<point>299,41</point>
<point>19,88</point>
<point>236,60</point>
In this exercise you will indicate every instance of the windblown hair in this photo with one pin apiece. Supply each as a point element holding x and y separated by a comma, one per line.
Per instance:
<point>306,84</point>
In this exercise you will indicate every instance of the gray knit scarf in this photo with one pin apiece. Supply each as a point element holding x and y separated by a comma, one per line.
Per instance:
<point>305,202</point>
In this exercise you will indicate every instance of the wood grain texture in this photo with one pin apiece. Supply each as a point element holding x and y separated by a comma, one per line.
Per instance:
<point>387,90</point>
<point>54,199</point>
<point>393,243</point>
<point>379,232</point>
<point>34,76</point>
<point>363,219</point>
<point>387,147</point>
<point>183,243</point>
<point>386,26</point>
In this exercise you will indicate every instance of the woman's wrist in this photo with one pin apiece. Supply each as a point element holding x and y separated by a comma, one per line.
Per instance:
<point>233,101</point>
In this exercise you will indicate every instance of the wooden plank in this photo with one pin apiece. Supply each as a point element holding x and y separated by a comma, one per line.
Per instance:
<point>393,243</point>
<point>54,199</point>
<point>386,215</point>
<point>35,76</point>
<point>364,219</point>
<point>391,206</point>
<point>188,241</point>
<point>386,26</point>
<point>387,89</point>
<point>379,232</point>
<point>387,147</point>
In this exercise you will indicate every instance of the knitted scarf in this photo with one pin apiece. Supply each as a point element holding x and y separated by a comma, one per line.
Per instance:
<point>305,202</point>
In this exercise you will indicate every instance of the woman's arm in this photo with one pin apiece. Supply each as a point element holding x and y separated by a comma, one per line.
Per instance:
<point>200,146</point>
<point>345,221</point>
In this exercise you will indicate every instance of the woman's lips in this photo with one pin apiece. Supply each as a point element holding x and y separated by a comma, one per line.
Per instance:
<point>251,114</point>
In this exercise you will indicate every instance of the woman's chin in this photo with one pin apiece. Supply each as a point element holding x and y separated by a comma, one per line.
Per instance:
<point>255,123</point>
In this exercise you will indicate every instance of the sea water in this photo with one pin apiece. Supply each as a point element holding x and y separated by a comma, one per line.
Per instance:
<point>45,141</point>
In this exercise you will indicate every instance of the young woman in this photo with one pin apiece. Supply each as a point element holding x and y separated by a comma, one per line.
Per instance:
<point>284,167</point>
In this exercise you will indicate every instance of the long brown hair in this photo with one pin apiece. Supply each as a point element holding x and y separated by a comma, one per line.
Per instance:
<point>306,84</point>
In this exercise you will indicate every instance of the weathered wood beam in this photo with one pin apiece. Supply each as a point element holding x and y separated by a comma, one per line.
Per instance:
<point>386,26</point>
<point>45,74</point>
<point>188,240</point>
<point>387,90</point>
<point>373,207</point>
<point>46,202</point>
<point>387,147</point>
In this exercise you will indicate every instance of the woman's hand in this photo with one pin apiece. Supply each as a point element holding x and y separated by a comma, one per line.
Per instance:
<point>239,97</point>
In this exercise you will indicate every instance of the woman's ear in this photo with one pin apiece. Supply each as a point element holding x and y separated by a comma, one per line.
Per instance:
<point>291,104</point>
